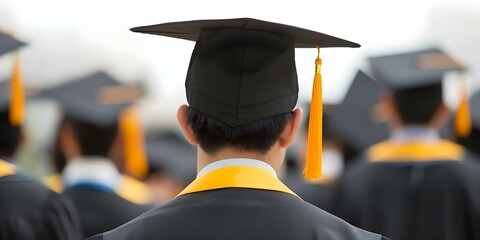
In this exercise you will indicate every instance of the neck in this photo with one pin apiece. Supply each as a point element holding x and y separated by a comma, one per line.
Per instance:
<point>274,157</point>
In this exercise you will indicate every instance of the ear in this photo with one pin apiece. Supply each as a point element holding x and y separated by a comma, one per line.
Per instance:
<point>186,129</point>
<point>440,117</point>
<point>288,135</point>
<point>68,141</point>
<point>117,152</point>
<point>389,109</point>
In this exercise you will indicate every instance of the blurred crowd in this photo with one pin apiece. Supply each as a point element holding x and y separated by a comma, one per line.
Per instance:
<point>95,165</point>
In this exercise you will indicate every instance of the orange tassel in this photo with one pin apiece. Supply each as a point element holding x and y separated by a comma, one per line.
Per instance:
<point>131,129</point>
<point>463,122</point>
<point>313,165</point>
<point>17,102</point>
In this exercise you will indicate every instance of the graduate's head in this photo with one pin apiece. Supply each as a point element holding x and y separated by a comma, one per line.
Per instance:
<point>80,138</point>
<point>96,110</point>
<point>417,106</point>
<point>414,83</point>
<point>258,137</point>
<point>242,85</point>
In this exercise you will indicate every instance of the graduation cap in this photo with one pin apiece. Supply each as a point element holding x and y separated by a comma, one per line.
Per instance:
<point>8,43</point>
<point>243,70</point>
<point>421,69</point>
<point>17,96</point>
<point>101,101</point>
<point>358,119</point>
<point>170,153</point>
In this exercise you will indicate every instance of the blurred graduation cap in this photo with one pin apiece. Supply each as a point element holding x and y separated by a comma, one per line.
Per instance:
<point>243,70</point>
<point>413,69</point>
<point>169,153</point>
<point>96,99</point>
<point>358,119</point>
<point>17,96</point>
<point>101,101</point>
<point>424,68</point>
<point>8,43</point>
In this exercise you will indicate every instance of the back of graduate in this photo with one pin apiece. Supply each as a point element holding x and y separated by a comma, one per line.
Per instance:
<point>93,143</point>
<point>28,210</point>
<point>413,185</point>
<point>242,89</point>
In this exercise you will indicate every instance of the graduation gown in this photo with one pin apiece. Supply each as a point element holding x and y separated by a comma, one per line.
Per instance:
<point>413,191</point>
<point>101,210</point>
<point>237,202</point>
<point>92,185</point>
<point>130,188</point>
<point>29,210</point>
<point>318,194</point>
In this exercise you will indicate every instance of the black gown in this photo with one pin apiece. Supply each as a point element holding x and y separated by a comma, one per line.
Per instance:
<point>29,210</point>
<point>219,211</point>
<point>101,211</point>
<point>318,194</point>
<point>409,199</point>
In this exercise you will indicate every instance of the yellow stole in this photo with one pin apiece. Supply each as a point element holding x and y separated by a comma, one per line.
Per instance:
<point>237,177</point>
<point>442,150</point>
<point>6,168</point>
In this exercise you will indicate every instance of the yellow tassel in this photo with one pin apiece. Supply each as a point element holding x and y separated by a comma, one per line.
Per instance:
<point>17,102</point>
<point>463,122</point>
<point>132,132</point>
<point>313,165</point>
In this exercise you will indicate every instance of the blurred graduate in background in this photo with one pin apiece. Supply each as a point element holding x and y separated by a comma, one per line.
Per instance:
<point>118,98</point>
<point>28,209</point>
<point>100,142</point>
<point>414,185</point>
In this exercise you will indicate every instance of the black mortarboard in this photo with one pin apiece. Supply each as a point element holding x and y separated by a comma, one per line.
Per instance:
<point>171,154</point>
<point>358,119</point>
<point>413,69</point>
<point>96,99</point>
<point>243,70</point>
<point>9,43</point>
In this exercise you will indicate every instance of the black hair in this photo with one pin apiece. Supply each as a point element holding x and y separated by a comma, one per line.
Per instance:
<point>418,105</point>
<point>93,140</point>
<point>58,157</point>
<point>258,136</point>
<point>9,136</point>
